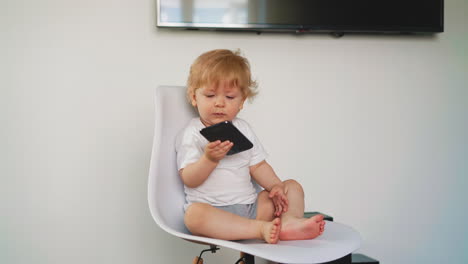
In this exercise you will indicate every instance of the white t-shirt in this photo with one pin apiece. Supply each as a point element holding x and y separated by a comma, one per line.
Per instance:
<point>230,181</point>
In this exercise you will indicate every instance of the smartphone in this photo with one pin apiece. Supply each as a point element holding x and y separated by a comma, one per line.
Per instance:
<point>227,131</point>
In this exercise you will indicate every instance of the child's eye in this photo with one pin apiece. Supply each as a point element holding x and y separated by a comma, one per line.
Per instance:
<point>230,97</point>
<point>209,95</point>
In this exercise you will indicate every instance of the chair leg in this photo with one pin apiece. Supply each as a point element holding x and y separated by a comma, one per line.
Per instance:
<point>246,259</point>
<point>199,260</point>
<point>241,260</point>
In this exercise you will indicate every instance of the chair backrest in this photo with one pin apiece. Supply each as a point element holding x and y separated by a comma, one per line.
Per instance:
<point>165,188</point>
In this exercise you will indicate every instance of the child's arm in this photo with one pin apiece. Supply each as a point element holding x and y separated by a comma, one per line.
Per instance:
<point>266,177</point>
<point>193,175</point>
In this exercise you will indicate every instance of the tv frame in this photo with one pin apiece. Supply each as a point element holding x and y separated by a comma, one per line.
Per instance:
<point>335,30</point>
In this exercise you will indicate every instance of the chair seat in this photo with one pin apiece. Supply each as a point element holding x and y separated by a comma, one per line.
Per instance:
<point>337,241</point>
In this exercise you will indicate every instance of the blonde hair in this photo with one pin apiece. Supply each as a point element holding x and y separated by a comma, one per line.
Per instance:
<point>221,65</point>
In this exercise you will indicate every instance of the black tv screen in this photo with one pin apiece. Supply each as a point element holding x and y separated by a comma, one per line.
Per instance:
<point>392,16</point>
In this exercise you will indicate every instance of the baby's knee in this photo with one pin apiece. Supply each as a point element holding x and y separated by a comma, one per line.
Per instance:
<point>293,184</point>
<point>193,217</point>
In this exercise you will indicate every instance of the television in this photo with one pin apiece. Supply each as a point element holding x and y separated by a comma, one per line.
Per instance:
<point>303,16</point>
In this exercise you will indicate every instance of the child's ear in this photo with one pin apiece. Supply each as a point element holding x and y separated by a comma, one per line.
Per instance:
<point>242,104</point>
<point>193,99</point>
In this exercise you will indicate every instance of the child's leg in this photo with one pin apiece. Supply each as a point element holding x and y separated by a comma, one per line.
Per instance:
<point>265,207</point>
<point>294,225</point>
<point>206,220</point>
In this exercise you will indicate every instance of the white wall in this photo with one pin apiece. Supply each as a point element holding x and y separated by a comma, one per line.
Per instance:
<point>373,126</point>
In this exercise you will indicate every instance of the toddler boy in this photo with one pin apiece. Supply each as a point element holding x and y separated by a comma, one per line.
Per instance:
<point>221,201</point>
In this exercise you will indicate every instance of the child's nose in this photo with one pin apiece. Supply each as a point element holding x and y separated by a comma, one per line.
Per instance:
<point>219,101</point>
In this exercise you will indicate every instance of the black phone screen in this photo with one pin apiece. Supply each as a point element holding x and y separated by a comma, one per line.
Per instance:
<point>227,131</point>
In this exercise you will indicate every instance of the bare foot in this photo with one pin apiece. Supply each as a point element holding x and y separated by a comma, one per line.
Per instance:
<point>271,231</point>
<point>302,228</point>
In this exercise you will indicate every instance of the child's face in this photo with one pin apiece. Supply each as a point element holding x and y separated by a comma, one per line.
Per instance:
<point>218,103</point>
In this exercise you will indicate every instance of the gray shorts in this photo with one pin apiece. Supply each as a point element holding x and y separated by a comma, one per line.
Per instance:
<point>244,210</point>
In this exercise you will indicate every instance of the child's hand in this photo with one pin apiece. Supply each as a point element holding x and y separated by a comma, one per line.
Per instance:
<point>217,150</point>
<point>280,201</point>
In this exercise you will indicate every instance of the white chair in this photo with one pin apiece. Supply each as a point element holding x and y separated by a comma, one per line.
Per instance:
<point>166,196</point>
